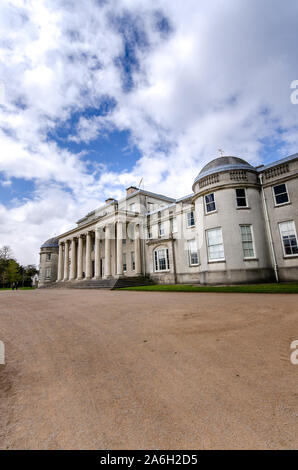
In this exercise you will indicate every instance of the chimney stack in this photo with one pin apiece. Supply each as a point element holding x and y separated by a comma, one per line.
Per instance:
<point>131,190</point>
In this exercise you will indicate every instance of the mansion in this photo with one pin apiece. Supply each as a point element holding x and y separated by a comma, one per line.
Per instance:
<point>239,225</point>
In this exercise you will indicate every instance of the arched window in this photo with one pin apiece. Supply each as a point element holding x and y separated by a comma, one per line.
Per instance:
<point>161,259</point>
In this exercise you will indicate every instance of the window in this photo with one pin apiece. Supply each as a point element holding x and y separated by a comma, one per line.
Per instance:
<point>210,203</point>
<point>124,261</point>
<point>132,207</point>
<point>161,259</point>
<point>49,256</point>
<point>281,194</point>
<point>174,225</point>
<point>215,245</point>
<point>193,253</point>
<point>123,241</point>
<point>247,241</point>
<point>161,229</point>
<point>151,206</point>
<point>48,273</point>
<point>289,238</point>
<point>190,219</point>
<point>241,197</point>
<point>133,261</point>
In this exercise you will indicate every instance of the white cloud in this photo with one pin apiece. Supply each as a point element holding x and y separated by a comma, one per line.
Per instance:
<point>220,77</point>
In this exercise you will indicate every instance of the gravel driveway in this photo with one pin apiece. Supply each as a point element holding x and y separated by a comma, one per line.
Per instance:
<point>113,370</point>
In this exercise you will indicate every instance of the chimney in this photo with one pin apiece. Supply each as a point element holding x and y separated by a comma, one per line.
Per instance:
<point>131,190</point>
<point>110,199</point>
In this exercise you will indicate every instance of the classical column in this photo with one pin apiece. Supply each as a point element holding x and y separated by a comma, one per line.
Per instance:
<point>138,251</point>
<point>80,258</point>
<point>73,260</point>
<point>107,251</point>
<point>119,270</point>
<point>60,263</point>
<point>66,260</point>
<point>97,253</point>
<point>88,255</point>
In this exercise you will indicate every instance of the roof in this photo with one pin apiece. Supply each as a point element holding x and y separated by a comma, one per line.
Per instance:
<point>223,164</point>
<point>278,162</point>
<point>51,243</point>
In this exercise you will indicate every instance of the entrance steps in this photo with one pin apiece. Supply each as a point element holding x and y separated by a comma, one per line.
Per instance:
<point>110,283</point>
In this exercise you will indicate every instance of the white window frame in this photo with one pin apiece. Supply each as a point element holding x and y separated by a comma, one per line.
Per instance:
<point>124,262</point>
<point>191,251</point>
<point>156,260</point>
<point>190,219</point>
<point>48,270</point>
<point>132,207</point>
<point>237,197</point>
<point>133,260</point>
<point>215,260</point>
<point>276,204</point>
<point>161,229</point>
<point>174,225</point>
<point>248,241</point>
<point>205,203</point>
<point>281,237</point>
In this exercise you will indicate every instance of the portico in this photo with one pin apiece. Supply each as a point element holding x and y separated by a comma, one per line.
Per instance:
<point>97,252</point>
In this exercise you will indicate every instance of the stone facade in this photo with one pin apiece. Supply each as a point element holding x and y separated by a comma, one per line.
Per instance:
<point>238,226</point>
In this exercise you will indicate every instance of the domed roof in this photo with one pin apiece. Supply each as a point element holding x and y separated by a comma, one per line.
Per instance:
<point>223,164</point>
<point>50,243</point>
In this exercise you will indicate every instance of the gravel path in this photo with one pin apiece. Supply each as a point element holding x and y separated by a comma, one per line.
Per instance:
<point>113,370</point>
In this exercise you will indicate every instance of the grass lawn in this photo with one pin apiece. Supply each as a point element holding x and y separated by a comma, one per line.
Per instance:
<point>247,288</point>
<point>19,288</point>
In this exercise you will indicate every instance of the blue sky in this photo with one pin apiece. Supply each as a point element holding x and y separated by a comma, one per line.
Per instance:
<point>94,98</point>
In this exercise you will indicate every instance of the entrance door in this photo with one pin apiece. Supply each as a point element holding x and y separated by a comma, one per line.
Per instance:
<point>93,268</point>
<point>102,267</point>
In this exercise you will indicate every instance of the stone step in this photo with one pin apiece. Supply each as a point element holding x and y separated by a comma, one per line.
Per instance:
<point>112,283</point>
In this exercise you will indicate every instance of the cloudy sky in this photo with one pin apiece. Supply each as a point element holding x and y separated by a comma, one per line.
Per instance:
<point>95,95</point>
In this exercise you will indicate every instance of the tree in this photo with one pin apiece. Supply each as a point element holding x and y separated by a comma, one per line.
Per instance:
<point>12,272</point>
<point>6,253</point>
<point>26,273</point>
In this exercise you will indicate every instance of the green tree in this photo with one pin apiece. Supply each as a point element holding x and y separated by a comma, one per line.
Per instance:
<point>5,255</point>
<point>12,272</point>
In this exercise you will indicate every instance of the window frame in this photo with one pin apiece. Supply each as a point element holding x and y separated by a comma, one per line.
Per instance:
<point>245,241</point>
<point>276,204</point>
<point>49,256</point>
<point>190,252</point>
<point>212,202</point>
<point>215,260</point>
<point>48,269</point>
<point>241,197</point>
<point>156,260</point>
<point>190,221</point>
<point>161,229</point>
<point>174,225</point>
<point>133,260</point>
<point>124,262</point>
<point>293,255</point>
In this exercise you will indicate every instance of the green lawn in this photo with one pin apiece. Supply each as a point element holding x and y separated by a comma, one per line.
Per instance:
<point>19,288</point>
<point>247,288</point>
